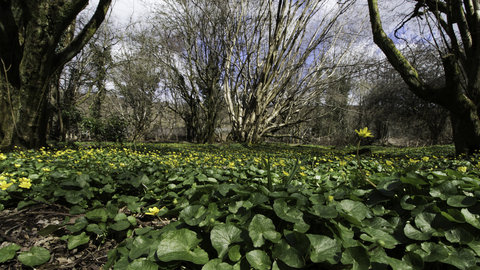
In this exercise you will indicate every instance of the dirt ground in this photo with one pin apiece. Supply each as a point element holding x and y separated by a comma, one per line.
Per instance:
<point>22,227</point>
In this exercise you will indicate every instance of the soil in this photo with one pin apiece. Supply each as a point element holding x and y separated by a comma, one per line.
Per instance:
<point>22,227</point>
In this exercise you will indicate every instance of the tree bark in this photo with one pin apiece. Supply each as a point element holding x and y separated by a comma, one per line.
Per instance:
<point>462,89</point>
<point>30,32</point>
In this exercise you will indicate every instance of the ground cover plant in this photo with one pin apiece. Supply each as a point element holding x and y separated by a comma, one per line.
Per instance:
<point>232,206</point>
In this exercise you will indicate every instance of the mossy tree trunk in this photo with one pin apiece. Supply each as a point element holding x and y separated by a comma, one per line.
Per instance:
<point>461,63</point>
<point>30,32</point>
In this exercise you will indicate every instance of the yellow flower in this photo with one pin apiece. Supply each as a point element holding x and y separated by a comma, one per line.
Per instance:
<point>286,173</point>
<point>79,173</point>
<point>330,198</point>
<point>153,211</point>
<point>3,156</point>
<point>343,163</point>
<point>46,169</point>
<point>462,169</point>
<point>388,162</point>
<point>25,184</point>
<point>18,165</point>
<point>425,159</point>
<point>4,185</point>
<point>364,133</point>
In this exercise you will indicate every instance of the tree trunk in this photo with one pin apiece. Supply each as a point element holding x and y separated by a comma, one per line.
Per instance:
<point>30,32</point>
<point>462,86</point>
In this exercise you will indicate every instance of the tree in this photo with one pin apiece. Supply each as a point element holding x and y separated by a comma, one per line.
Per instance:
<point>193,65</point>
<point>30,32</point>
<point>136,79</point>
<point>277,56</point>
<point>460,54</point>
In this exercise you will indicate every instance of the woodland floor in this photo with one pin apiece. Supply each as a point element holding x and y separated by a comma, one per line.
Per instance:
<point>22,227</point>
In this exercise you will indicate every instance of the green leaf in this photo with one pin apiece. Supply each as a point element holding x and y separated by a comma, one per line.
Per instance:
<point>222,236</point>
<point>415,234</point>
<point>459,235</point>
<point>432,252</point>
<point>475,246</point>
<point>412,181</point>
<point>461,201</point>
<point>424,222</point>
<point>234,253</point>
<point>471,218</point>
<point>120,216</point>
<point>141,179</point>
<point>36,256</point>
<point>324,249</point>
<point>454,215</point>
<point>140,231</point>
<point>74,198</point>
<point>287,254</point>
<point>83,180</point>
<point>120,225</point>
<point>97,215</point>
<point>76,209</point>
<point>140,246</point>
<point>443,190</point>
<point>290,214</point>
<point>77,240</point>
<point>462,258</point>
<point>112,210</point>
<point>353,211</point>
<point>405,203</point>
<point>23,204</point>
<point>413,260</point>
<point>377,234</point>
<point>142,264</point>
<point>358,257</point>
<point>49,229</point>
<point>8,252</point>
<point>217,264</point>
<point>181,245</point>
<point>324,211</point>
<point>259,259</point>
<point>261,227</point>
<point>80,223</point>
<point>193,214</point>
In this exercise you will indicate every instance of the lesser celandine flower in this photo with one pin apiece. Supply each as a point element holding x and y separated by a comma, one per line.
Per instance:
<point>388,162</point>
<point>153,211</point>
<point>25,184</point>
<point>17,165</point>
<point>4,185</point>
<point>425,159</point>
<point>462,169</point>
<point>364,133</point>
<point>3,156</point>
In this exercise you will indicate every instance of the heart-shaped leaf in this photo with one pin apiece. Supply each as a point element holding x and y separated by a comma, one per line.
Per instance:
<point>217,264</point>
<point>287,254</point>
<point>142,264</point>
<point>181,245</point>
<point>8,252</point>
<point>224,235</point>
<point>261,227</point>
<point>36,256</point>
<point>77,240</point>
<point>323,249</point>
<point>259,259</point>
<point>97,215</point>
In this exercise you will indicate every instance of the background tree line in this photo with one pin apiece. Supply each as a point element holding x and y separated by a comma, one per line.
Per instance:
<point>252,71</point>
